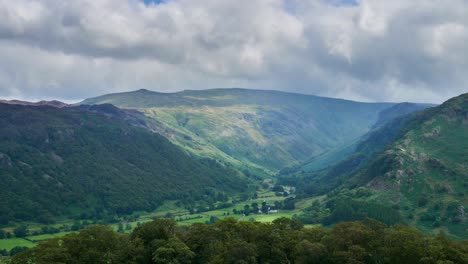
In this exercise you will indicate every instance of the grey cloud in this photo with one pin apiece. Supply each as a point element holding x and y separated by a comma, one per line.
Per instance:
<point>376,51</point>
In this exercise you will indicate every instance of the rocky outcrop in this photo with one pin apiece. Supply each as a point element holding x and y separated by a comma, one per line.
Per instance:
<point>5,160</point>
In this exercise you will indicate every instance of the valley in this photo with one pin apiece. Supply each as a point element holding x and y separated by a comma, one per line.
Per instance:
<point>198,157</point>
<point>413,171</point>
<point>170,209</point>
<point>233,132</point>
<point>259,132</point>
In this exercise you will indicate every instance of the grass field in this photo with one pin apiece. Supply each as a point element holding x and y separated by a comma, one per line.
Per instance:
<point>10,243</point>
<point>47,236</point>
<point>270,217</point>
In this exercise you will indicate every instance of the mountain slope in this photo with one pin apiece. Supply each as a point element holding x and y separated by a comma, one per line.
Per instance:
<point>387,127</point>
<point>417,174</point>
<point>398,110</point>
<point>425,171</point>
<point>92,161</point>
<point>262,131</point>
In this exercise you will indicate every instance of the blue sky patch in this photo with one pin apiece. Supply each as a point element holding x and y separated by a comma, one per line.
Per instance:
<point>153,2</point>
<point>344,2</point>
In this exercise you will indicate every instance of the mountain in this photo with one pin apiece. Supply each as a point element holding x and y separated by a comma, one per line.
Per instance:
<point>258,131</point>
<point>94,162</point>
<point>53,103</point>
<point>394,115</point>
<point>413,170</point>
<point>398,110</point>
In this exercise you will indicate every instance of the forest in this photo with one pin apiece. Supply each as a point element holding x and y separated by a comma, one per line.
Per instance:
<point>84,165</point>
<point>238,242</point>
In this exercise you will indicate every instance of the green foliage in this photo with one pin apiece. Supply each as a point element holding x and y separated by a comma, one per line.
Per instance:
<point>20,231</point>
<point>160,229</point>
<point>348,205</point>
<point>173,251</point>
<point>17,250</point>
<point>81,164</point>
<point>278,188</point>
<point>232,241</point>
<point>414,170</point>
<point>97,244</point>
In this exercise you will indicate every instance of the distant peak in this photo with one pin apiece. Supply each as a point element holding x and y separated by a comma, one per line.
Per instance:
<point>143,91</point>
<point>53,103</point>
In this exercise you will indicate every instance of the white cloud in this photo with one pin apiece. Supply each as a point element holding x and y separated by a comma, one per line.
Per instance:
<point>377,50</point>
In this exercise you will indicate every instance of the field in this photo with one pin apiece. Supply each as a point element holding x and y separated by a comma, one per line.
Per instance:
<point>39,238</point>
<point>10,243</point>
<point>169,209</point>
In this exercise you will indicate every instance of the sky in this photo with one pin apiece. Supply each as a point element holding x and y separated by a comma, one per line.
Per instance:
<point>365,50</point>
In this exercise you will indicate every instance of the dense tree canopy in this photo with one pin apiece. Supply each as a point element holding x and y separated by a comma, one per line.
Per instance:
<point>237,242</point>
<point>76,162</point>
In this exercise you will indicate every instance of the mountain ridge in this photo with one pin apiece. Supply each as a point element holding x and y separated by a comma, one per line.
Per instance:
<point>260,131</point>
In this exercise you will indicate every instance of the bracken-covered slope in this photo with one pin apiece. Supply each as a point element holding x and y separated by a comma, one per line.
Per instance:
<point>425,171</point>
<point>94,161</point>
<point>252,129</point>
<point>414,170</point>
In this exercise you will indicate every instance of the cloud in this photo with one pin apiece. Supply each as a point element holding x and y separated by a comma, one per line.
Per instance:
<point>365,50</point>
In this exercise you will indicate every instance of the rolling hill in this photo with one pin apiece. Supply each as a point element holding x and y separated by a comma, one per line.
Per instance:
<point>412,170</point>
<point>94,162</point>
<point>259,132</point>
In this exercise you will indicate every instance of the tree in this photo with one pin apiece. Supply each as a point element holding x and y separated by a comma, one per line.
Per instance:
<point>278,188</point>
<point>20,231</point>
<point>238,252</point>
<point>212,220</point>
<point>405,245</point>
<point>246,209</point>
<point>17,250</point>
<point>285,223</point>
<point>120,228</point>
<point>173,251</point>
<point>255,208</point>
<point>158,229</point>
<point>93,245</point>
<point>240,242</point>
<point>49,230</point>
<point>310,252</point>
<point>76,226</point>
<point>277,204</point>
<point>289,203</point>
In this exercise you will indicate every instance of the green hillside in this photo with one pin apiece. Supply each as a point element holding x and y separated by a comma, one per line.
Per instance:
<point>416,174</point>
<point>392,117</point>
<point>259,131</point>
<point>93,163</point>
